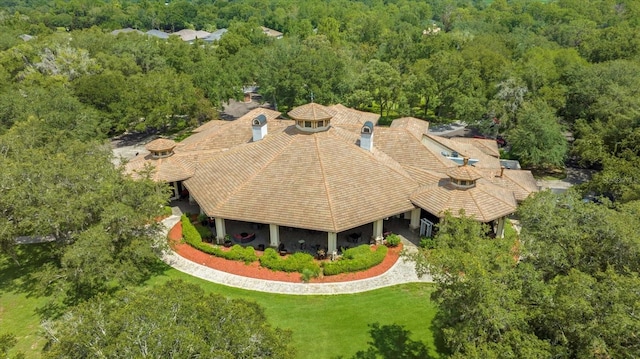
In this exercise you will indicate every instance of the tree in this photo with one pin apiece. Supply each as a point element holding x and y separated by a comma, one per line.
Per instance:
<point>382,82</point>
<point>102,221</point>
<point>537,139</point>
<point>174,320</point>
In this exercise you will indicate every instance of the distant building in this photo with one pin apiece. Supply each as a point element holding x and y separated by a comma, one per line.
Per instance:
<point>125,31</point>
<point>331,169</point>
<point>158,33</point>
<point>216,35</point>
<point>271,32</point>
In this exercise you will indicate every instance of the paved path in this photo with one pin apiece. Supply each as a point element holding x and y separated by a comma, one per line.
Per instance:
<point>401,272</point>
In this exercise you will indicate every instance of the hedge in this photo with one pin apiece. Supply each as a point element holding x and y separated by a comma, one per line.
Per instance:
<point>356,259</point>
<point>193,238</point>
<point>296,262</point>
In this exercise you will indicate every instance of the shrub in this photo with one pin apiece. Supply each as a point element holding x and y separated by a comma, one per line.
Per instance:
<point>205,232</point>
<point>296,262</point>
<point>356,259</point>
<point>393,240</point>
<point>193,238</point>
<point>166,211</point>
<point>427,243</point>
<point>307,274</point>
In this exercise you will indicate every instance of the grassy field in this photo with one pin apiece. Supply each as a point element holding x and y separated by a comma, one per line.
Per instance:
<point>322,326</point>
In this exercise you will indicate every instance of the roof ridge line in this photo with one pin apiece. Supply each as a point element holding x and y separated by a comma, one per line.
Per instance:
<point>248,179</point>
<point>326,188</point>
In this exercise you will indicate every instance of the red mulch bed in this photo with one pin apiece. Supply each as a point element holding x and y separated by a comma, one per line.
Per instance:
<point>253,270</point>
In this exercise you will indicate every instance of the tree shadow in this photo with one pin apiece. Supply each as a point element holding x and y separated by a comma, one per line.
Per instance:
<point>392,342</point>
<point>20,276</point>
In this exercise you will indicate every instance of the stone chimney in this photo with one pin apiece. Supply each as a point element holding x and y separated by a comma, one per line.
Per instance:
<point>259,127</point>
<point>501,171</point>
<point>465,161</point>
<point>366,136</point>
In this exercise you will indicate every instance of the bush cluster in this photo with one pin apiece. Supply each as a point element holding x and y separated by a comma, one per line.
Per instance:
<point>393,240</point>
<point>297,262</point>
<point>193,238</point>
<point>356,259</point>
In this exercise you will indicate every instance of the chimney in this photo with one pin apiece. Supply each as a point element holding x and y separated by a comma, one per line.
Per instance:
<point>465,161</point>
<point>366,136</point>
<point>259,127</point>
<point>501,171</point>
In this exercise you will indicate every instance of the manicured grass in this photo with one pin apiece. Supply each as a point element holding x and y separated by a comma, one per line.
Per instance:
<point>329,326</point>
<point>20,300</point>
<point>322,326</point>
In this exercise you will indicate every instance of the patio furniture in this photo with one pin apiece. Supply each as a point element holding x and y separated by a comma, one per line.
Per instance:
<point>354,237</point>
<point>244,237</point>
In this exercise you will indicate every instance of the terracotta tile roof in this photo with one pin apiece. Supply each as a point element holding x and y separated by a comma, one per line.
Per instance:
<point>464,173</point>
<point>210,124</point>
<point>485,201</point>
<point>415,126</point>
<point>521,182</point>
<point>345,116</point>
<point>160,144</point>
<point>468,150</point>
<point>487,146</point>
<point>315,181</point>
<point>324,180</point>
<point>218,137</point>
<point>311,111</point>
<point>406,149</point>
<point>176,167</point>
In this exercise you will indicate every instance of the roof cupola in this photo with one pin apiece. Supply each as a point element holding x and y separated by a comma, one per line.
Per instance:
<point>161,147</point>
<point>312,117</point>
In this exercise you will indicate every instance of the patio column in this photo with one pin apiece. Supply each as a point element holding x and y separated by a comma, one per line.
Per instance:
<point>221,231</point>
<point>332,241</point>
<point>415,218</point>
<point>500,227</point>
<point>176,194</point>
<point>377,229</point>
<point>274,235</point>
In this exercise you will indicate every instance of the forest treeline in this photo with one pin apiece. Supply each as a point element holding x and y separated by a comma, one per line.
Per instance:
<point>538,69</point>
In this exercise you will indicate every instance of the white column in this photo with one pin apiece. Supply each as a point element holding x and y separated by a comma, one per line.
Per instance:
<point>221,231</point>
<point>415,218</point>
<point>274,235</point>
<point>176,195</point>
<point>377,229</point>
<point>500,227</point>
<point>332,241</point>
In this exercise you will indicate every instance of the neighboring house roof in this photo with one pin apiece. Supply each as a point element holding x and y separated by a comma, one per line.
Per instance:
<point>271,32</point>
<point>191,35</point>
<point>323,180</point>
<point>216,35</point>
<point>158,34</point>
<point>125,31</point>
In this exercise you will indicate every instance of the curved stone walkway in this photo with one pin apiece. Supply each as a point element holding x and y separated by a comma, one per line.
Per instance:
<point>403,271</point>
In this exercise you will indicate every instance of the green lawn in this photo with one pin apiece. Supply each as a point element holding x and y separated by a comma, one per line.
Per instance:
<point>322,326</point>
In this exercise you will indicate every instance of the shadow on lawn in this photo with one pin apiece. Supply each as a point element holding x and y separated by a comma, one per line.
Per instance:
<point>392,341</point>
<point>20,277</point>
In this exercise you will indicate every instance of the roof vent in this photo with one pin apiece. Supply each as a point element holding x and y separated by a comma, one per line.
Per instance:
<point>259,127</point>
<point>366,136</point>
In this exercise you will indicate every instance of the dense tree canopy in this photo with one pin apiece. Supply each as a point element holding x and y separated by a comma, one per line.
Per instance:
<point>567,288</point>
<point>441,60</point>
<point>175,320</point>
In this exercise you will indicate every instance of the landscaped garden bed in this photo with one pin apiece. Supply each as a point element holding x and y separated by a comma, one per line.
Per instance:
<point>277,267</point>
